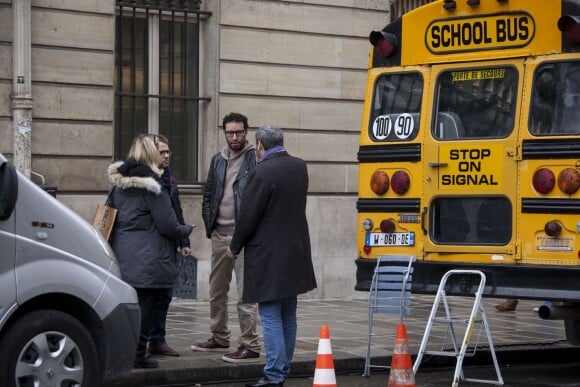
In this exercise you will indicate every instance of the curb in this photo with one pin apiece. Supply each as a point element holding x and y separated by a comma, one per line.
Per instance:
<point>344,363</point>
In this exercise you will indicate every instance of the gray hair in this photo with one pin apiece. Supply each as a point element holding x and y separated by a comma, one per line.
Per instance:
<point>270,135</point>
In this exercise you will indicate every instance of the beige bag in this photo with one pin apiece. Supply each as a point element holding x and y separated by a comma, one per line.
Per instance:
<point>104,219</point>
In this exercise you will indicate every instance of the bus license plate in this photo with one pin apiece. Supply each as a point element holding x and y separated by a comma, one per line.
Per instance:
<point>390,239</point>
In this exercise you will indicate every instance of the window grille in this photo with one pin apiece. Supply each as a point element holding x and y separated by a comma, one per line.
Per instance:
<point>157,78</point>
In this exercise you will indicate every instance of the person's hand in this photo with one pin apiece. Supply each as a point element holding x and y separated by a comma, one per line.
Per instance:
<point>186,251</point>
<point>230,254</point>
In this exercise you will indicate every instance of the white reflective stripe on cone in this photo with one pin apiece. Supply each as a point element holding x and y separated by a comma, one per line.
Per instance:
<point>324,347</point>
<point>324,376</point>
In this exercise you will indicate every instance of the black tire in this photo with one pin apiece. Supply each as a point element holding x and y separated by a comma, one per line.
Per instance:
<point>48,347</point>
<point>572,328</point>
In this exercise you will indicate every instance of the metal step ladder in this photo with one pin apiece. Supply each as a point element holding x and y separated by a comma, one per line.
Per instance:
<point>477,316</point>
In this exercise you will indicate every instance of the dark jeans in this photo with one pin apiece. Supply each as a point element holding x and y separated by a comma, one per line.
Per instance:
<point>157,335</point>
<point>148,301</point>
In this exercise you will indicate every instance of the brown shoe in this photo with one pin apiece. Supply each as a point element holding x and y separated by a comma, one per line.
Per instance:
<point>508,305</point>
<point>242,355</point>
<point>162,350</point>
<point>211,345</point>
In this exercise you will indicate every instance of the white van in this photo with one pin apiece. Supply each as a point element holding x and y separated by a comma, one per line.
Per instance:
<point>66,317</point>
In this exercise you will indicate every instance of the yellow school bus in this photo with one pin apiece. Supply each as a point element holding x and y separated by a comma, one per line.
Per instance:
<point>469,151</point>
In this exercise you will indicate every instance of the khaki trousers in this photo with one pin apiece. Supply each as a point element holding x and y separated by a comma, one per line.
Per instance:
<point>219,284</point>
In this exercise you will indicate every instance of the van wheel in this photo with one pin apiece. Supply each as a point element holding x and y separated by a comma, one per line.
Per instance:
<point>48,348</point>
<point>572,328</point>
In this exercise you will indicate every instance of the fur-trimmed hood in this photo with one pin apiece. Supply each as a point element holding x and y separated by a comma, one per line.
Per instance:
<point>130,180</point>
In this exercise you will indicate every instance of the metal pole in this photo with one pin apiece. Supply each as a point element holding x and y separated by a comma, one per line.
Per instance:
<point>21,85</point>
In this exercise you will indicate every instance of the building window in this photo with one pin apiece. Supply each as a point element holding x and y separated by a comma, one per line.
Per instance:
<point>157,77</point>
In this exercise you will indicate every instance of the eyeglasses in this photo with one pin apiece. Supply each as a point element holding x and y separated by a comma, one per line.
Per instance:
<point>234,133</point>
<point>165,152</point>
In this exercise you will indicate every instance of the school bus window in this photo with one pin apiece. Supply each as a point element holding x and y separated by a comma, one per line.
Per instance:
<point>555,106</point>
<point>471,221</point>
<point>475,103</point>
<point>396,106</point>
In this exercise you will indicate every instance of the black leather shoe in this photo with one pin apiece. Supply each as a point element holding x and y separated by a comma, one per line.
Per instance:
<point>163,350</point>
<point>145,362</point>
<point>264,382</point>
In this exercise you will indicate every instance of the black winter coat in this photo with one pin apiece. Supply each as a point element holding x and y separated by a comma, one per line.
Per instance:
<point>146,227</point>
<point>273,230</point>
<point>171,184</point>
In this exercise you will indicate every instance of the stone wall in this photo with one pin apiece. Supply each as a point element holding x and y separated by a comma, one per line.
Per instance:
<point>300,64</point>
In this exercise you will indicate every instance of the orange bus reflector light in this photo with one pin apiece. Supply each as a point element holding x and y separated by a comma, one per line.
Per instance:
<point>543,180</point>
<point>380,182</point>
<point>568,180</point>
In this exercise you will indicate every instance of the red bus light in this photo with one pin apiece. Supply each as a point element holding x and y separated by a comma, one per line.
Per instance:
<point>552,229</point>
<point>400,182</point>
<point>367,250</point>
<point>568,181</point>
<point>387,226</point>
<point>380,182</point>
<point>543,180</point>
<point>385,42</point>
<point>570,26</point>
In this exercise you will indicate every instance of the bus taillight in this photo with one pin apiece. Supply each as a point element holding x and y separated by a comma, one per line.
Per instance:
<point>367,250</point>
<point>568,180</point>
<point>385,42</point>
<point>552,229</point>
<point>387,226</point>
<point>570,26</point>
<point>400,182</point>
<point>380,182</point>
<point>543,180</point>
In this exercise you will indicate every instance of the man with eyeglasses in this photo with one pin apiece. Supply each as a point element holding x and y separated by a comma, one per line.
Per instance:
<point>157,342</point>
<point>221,205</point>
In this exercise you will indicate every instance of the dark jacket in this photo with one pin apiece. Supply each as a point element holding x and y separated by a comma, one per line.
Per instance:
<point>171,184</point>
<point>273,230</point>
<point>145,227</point>
<point>214,187</point>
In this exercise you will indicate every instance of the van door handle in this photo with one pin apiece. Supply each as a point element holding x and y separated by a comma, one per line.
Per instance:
<point>437,165</point>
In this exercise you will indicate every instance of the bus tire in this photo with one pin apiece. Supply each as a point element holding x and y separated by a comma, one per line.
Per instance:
<point>59,346</point>
<point>572,331</point>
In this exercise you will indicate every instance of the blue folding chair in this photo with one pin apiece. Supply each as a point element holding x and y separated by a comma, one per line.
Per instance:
<point>390,293</point>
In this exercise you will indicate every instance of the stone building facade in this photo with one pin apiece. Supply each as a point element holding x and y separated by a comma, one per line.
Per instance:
<point>300,64</point>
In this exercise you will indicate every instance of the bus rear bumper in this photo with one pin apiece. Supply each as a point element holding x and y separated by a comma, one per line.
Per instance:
<point>538,282</point>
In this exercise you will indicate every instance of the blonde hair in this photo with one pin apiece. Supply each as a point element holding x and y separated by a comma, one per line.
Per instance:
<point>144,151</point>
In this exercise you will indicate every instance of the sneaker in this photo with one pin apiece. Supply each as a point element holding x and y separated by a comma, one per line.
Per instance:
<point>145,362</point>
<point>242,355</point>
<point>211,345</point>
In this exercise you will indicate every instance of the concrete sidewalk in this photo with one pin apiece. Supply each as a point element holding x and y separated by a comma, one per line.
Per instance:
<point>517,336</point>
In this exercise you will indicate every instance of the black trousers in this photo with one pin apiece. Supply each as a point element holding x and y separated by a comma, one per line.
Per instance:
<point>148,300</point>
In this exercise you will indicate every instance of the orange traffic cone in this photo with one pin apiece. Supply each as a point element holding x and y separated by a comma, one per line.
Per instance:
<point>401,367</point>
<point>324,373</point>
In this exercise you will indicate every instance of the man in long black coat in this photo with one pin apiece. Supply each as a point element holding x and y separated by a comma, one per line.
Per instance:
<point>273,229</point>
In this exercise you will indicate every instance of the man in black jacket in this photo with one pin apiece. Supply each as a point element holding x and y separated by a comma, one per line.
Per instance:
<point>157,343</point>
<point>221,205</point>
<point>273,230</point>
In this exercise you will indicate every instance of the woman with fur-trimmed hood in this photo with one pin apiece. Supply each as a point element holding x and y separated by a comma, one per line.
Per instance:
<point>144,232</point>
